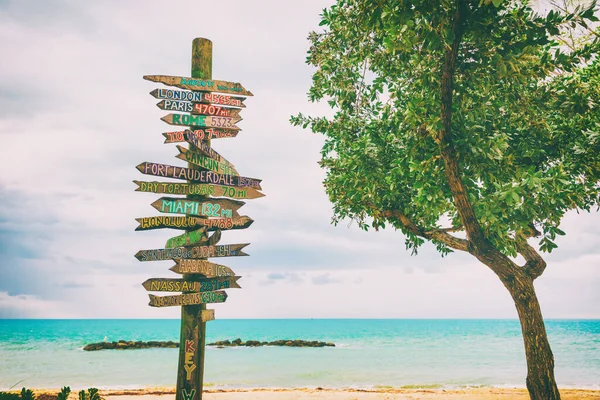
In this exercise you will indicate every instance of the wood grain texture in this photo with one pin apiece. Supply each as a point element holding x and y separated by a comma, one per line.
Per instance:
<point>214,238</point>
<point>207,315</point>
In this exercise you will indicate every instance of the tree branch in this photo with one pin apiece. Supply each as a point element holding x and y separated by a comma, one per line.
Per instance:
<point>534,263</point>
<point>436,234</point>
<point>444,139</point>
<point>453,229</point>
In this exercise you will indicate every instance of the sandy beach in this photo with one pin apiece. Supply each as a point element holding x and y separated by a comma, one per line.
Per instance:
<point>350,394</point>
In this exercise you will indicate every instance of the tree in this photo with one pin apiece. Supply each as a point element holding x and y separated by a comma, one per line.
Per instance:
<point>467,123</point>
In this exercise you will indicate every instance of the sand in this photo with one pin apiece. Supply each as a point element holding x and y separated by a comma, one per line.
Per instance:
<point>350,394</point>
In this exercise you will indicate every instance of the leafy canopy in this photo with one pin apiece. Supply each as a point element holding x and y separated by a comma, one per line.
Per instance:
<point>525,116</point>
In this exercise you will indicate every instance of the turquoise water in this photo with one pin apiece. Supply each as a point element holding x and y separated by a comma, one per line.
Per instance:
<point>368,353</point>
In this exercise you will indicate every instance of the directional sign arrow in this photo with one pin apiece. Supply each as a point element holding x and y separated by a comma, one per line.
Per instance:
<point>205,162</point>
<point>203,267</point>
<point>202,120</point>
<point>195,252</point>
<point>212,224</point>
<point>197,189</point>
<point>206,133</point>
<point>196,285</point>
<point>218,208</point>
<point>199,236</point>
<point>208,151</point>
<point>198,108</point>
<point>202,97</point>
<point>194,175</point>
<point>200,84</point>
<point>187,299</point>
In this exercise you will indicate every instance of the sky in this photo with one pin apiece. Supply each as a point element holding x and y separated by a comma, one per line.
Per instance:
<point>76,118</point>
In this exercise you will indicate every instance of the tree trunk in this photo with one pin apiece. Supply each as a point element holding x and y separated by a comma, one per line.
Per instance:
<point>540,361</point>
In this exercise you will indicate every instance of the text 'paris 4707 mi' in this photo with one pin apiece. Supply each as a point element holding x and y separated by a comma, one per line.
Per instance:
<point>205,109</point>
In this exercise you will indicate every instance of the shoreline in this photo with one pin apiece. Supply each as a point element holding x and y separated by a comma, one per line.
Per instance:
<point>487,393</point>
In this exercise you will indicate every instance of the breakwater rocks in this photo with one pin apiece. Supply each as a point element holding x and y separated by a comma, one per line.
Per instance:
<point>124,345</point>
<point>285,342</point>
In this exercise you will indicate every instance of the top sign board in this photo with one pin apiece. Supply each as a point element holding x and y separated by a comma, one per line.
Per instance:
<point>200,84</point>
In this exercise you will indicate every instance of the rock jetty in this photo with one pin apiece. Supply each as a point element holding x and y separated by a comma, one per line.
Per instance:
<point>284,342</point>
<point>125,345</point>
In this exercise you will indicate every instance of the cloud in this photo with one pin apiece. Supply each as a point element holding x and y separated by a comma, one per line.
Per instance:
<point>28,306</point>
<point>275,277</point>
<point>74,285</point>
<point>324,279</point>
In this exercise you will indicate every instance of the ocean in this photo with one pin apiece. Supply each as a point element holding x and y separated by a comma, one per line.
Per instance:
<point>369,353</point>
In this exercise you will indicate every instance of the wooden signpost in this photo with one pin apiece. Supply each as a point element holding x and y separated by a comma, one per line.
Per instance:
<point>194,175</point>
<point>207,315</point>
<point>205,85</point>
<point>212,224</point>
<point>202,120</point>
<point>206,133</point>
<point>203,267</point>
<point>197,189</point>
<point>204,148</point>
<point>199,285</point>
<point>205,162</point>
<point>187,299</point>
<point>194,252</point>
<point>209,208</point>
<point>210,115</point>
<point>198,108</point>
<point>201,97</point>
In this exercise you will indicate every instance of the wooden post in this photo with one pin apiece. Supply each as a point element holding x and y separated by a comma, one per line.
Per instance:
<point>190,372</point>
